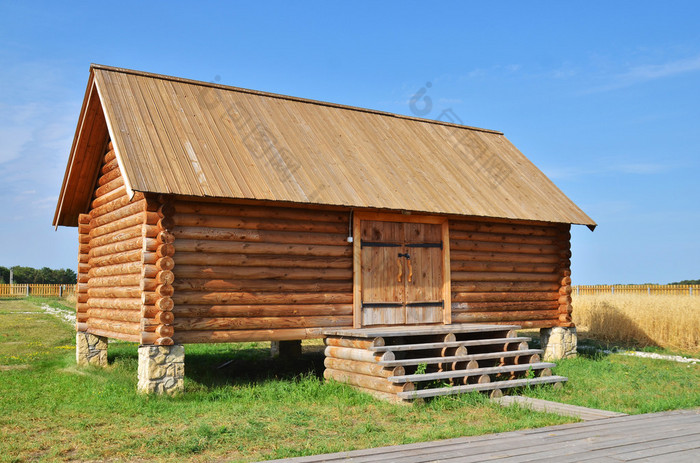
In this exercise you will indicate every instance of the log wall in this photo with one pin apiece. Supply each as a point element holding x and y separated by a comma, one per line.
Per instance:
<point>115,238</point>
<point>246,273</point>
<point>510,273</point>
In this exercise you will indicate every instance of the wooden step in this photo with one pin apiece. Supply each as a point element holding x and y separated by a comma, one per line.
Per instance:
<point>433,345</point>
<point>473,372</point>
<point>419,330</point>
<point>481,387</point>
<point>460,358</point>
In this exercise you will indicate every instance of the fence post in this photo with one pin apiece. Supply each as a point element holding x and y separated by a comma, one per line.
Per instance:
<point>690,291</point>
<point>612,289</point>
<point>60,291</point>
<point>27,289</point>
<point>648,291</point>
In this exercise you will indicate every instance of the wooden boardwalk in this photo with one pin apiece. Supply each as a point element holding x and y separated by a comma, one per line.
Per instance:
<point>655,437</point>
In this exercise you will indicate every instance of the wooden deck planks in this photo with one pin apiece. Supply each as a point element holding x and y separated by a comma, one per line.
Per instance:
<point>666,436</point>
<point>418,330</point>
<point>540,405</point>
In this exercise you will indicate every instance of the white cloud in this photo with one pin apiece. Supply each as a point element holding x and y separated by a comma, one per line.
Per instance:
<point>645,73</point>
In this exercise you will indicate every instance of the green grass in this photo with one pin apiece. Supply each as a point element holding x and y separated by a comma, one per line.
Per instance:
<point>239,405</point>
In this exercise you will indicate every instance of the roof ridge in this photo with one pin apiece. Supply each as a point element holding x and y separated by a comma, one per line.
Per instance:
<point>286,97</point>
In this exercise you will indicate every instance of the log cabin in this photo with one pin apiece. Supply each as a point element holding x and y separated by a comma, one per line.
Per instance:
<point>208,213</point>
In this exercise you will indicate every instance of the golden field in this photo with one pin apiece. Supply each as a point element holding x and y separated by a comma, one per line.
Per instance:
<point>671,322</point>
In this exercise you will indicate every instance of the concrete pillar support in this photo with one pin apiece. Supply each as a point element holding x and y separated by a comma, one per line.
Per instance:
<point>161,369</point>
<point>90,349</point>
<point>558,342</point>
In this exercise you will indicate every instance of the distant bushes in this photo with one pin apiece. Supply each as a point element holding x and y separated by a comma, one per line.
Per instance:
<point>42,276</point>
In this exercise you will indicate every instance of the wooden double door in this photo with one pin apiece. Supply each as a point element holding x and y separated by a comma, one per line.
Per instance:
<point>402,272</point>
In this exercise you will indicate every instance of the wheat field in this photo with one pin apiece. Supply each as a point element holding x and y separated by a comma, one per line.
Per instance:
<point>671,322</point>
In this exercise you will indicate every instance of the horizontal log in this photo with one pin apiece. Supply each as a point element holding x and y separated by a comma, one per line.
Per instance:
<point>84,228</point>
<point>564,300</point>
<point>108,177</point>
<point>165,304</point>
<point>83,219</point>
<point>165,223</point>
<point>113,334</point>
<point>150,311</point>
<point>503,286</point>
<point>267,310</point>
<point>480,256</point>
<point>128,292</point>
<point>166,209</point>
<point>506,238</point>
<point>83,239</point>
<point>358,343</point>
<point>165,331</point>
<point>565,290</point>
<point>83,248</point>
<point>485,246</point>
<point>254,273</point>
<point>121,224</point>
<point>164,342</point>
<point>165,277</point>
<point>149,244</point>
<point>114,259</point>
<point>81,326</point>
<point>280,213</point>
<point>111,206</point>
<point>131,328</point>
<point>117,315</point>
<point>165,318</point>
<point>109,186</point>
<point>135,231</point>
<point>255,323</point>
<point>109,197</point>
<point>109,166</point>
<point>234,247</point>
<point>164,237</point>
<point>81,317</point>
<point>81,307</point>
<point>83,258</point>
<point>260,236</point>
<point>148,298</point>
<point>220,221</point>
<point>369,382</point>
<point>117,269</point>
<point>81,297</point>
<point>164,250</point>
<point>83,268</point>
<point>165,290</point>
<point>363,368</point>
<point>258,297</point>
<point>164,263</point>
<point>133,279</point>
<point>310,286</point>
<point>148,338</point>
<point>503,276</point>
<point>148,284</point>
<point>254,260</point>
<point>82,278</point>
<point>360,355</point>
<point>111,303</point>
<point>186,337</point>
<point>476,266</point>
<point>498,228</point>
<point>488,317</point>
<point>566,281</point>
<point>505,296</point>
<point>457,304</point>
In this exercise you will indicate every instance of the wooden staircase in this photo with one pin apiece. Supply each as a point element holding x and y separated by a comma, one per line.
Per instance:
<point>402,363</point>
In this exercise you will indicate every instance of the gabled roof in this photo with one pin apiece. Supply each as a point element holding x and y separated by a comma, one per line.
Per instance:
<point>177,136</point>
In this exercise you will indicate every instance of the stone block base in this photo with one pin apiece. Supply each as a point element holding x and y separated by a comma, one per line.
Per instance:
<point>558,342</point>
<point>161,369</point>
<point>90,349</point>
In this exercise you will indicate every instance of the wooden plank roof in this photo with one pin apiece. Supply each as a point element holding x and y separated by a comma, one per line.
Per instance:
<point>177,136</point>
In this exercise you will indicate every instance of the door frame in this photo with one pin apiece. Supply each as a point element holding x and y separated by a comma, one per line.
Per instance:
<point>359,216</point>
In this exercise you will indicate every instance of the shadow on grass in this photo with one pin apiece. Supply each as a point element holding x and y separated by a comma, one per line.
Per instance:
<point>213,365</point>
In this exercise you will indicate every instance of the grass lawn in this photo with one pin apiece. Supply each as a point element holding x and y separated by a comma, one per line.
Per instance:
<point>239,405</point>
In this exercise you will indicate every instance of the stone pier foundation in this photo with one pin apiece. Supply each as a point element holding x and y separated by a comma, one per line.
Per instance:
<point>558,342</point>
<point>90,349</point>
<point>161,369</point>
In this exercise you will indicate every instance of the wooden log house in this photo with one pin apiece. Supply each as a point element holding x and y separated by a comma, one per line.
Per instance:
<point>209,213</point>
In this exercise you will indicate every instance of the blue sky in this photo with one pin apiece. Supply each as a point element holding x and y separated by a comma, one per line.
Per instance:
<point>604,97</point>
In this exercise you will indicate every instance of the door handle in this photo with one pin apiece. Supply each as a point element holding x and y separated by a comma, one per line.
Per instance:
<point>398,263</point>
<point>410,270</point>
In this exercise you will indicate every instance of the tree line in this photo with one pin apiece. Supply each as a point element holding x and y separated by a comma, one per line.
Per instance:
<point>45,276</point>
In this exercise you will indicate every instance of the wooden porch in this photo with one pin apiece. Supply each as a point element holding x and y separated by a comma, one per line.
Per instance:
<point>403,363</point>
<point>654,437</point>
